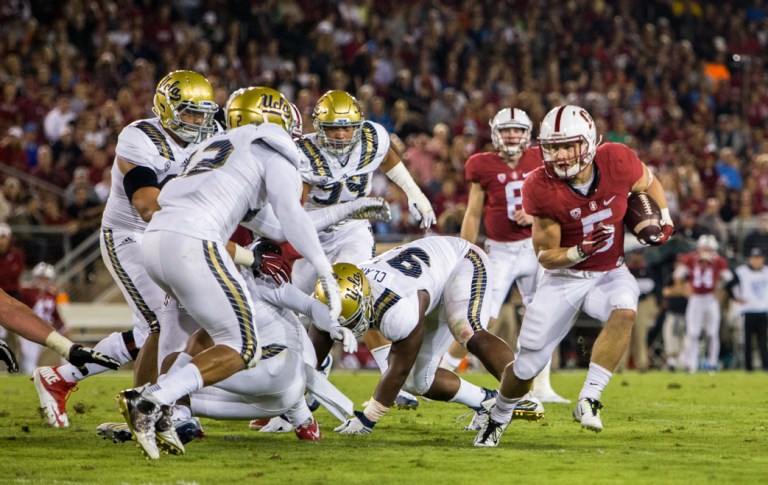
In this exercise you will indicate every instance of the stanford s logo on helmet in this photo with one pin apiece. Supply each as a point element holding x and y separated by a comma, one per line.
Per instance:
<point>567,125</point>
<point>510,118</point>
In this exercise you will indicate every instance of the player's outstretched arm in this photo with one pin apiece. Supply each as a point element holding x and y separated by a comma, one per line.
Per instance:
<point>418,203</point>
<point>20,319</point>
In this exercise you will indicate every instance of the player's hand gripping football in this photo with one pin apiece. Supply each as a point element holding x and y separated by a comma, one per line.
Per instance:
<point>421,210</point>
<point>7,356</point>
<point>359,424</point>
<point>79,356</point>
<point>595,241</point>
<point>667,230</point>
<point>268,260</point>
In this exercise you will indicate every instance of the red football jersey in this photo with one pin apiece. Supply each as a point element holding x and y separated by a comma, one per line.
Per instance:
<point>703,274</point>
<point>503,191</point>
<point>43,303</point>
<point>618,169</point>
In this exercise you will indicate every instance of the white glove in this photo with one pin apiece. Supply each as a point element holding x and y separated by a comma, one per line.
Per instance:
<point>346,337</point>
<point>421,210</point>
<point>332,292</point>
<point>374,208</point>
<point>355,425</point>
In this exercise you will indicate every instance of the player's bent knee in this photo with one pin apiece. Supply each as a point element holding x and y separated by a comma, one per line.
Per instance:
<point>529,363</point>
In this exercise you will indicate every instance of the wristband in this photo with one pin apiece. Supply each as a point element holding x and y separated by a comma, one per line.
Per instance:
<point>374,411</point>
<point>575,254</point>
<point>58,343</point>
<point>243,256</point>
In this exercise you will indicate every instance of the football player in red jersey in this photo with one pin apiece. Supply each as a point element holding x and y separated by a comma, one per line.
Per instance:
<point>578,200</point>
<point>40,296</point>
<point>704,269</point>
<point>496,197</point>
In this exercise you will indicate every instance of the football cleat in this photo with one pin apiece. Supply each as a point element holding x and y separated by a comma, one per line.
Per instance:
<point>53,392</point>
<point>309,431</point>
<point>258,423</point>
<point>165,433</point>
<point>528,408</point>
<point>490,434</point>
<point>482,412</point>
<point>550,395</point>
<point>117,432</point>
<point>278,424</point>
<point>188,430</point>
<point>405,400</point>
<point>141,415</point>
<point>587,413</point>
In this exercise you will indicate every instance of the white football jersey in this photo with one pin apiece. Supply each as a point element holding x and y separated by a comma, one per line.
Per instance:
<point>223,183</point>
<point>397,275</point>
<point>334,179</point>
<point>144,143</point>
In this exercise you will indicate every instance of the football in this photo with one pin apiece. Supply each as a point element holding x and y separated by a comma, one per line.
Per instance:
<point>643,217</point>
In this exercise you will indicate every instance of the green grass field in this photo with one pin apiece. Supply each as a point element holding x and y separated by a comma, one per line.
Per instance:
<point>660,428</point>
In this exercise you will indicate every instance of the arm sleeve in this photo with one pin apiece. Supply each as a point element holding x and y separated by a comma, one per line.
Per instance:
<point>290,297</point>
<point>267,224</point>
<point>281,179</point>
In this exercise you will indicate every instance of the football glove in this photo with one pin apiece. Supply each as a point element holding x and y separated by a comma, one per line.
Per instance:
<point>7,356</point>
<point>373,208</point>
<point>421,210</point>
<point>79,356</point>
<point>321,318</point>
<point>346,337</point>
<point>268,260</point>
<point>332,292</point>
<point>594,241</point>
<point>667,230</point>
<point>356,425</point>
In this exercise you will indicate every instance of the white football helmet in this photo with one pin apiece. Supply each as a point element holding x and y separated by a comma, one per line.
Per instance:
<point>298,127</point>
<point>565,125</point>
<point>43,270</point>
<point>510,118</point>
<point>707,242</point>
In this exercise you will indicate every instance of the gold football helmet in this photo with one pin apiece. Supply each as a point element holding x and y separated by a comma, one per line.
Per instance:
<point>185,92</point>
<point>337,109</point>
<point>356,298</point>
<point>257,105</point>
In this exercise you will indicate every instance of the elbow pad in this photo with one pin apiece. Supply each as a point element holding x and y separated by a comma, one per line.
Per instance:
<point>137,178</point>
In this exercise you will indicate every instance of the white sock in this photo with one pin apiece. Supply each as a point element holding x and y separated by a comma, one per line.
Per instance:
<point>594,385</point>
<point>181,360</point>
<point>450,362</point>
<point>112,345</point>
<point>177,384</point>
<point>181,413</point>
<point>469,395</point>
<point>298,414</point>
<point>502,411</point>
<point>541,383</point>
<point>380,355</point>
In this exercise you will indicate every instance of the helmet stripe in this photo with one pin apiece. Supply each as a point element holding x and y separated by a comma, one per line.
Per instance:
<point>558,117</point>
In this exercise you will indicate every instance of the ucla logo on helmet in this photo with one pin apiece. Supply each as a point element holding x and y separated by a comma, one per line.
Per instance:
<point>171,90</point>
<point>278,104</point>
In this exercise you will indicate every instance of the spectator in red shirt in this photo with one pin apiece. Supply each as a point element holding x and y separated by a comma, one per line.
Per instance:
<point>12,262</point>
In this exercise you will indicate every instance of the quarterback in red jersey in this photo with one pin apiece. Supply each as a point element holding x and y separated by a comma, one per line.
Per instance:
<point>496,197</point>
<point>704,269</point>
<point>578,200</point>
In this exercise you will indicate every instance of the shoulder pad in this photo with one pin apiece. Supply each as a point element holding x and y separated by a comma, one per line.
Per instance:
<point>278,140</point>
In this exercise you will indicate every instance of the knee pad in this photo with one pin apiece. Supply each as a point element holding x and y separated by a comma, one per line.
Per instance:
<point>529,363</point>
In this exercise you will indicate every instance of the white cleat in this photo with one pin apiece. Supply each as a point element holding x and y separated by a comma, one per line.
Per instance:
<point>550,395</point>
<point>277,425</point>
<point>490,434</point>
<point>141,416</point>
<point>587,413</point>
<point>529,408</point>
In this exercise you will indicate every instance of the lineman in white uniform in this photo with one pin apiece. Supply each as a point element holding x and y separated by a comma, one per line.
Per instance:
<point>394,292</point>
<point>337,166</point>
<point>149,152</point>
<point>229,179</point>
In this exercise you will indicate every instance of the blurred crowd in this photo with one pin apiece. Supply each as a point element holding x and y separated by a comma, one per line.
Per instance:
<point>683,82</point>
